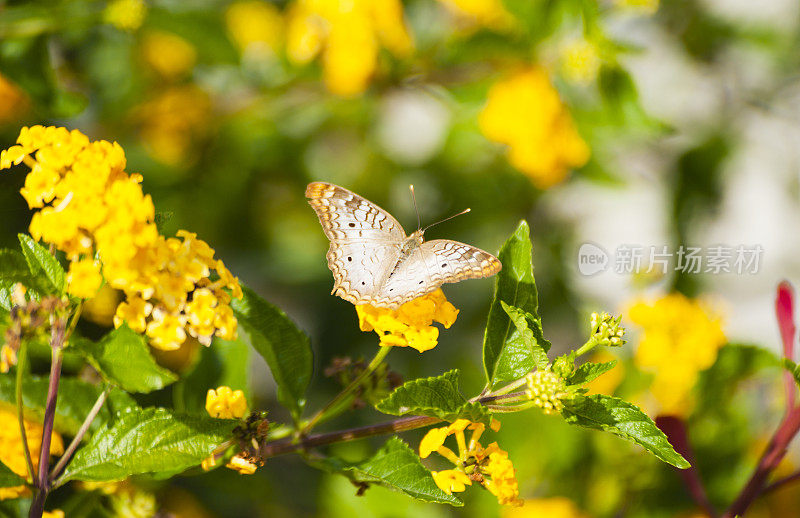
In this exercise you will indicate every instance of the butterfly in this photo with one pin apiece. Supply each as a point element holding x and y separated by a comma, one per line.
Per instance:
<point>373,260</point>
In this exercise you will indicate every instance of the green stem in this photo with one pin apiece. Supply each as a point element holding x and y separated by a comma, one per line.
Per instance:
<point>76,441</point>
<point>328,410</point>
<point>504,390</point>
<point>585,348</point>
<point>22,356</point>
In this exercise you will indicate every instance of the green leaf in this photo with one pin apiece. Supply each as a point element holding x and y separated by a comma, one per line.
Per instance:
<point>8,478</point>
<point>148,440</point>
<point>285,347</point>
<point>123,358</point>
<point>436,396</point>
<point>41,262</point>
<point>516,287</point>
<point>522,351</point>
<point>397,467</point>
<point>793,369</point>
<point>75,400</point>
<point>14,269</point>
<point>589,371</point>
<point>611,414</point>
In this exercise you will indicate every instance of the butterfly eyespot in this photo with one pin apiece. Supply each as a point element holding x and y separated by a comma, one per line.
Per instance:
<point>352,225</point>
<point>363,283</point>
<point>349,258</point>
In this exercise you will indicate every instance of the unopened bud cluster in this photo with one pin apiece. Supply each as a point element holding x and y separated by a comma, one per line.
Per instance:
<point>606,330</point>
<point>545,390</point>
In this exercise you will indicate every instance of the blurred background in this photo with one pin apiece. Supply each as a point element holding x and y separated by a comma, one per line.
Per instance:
<point>626,124</point>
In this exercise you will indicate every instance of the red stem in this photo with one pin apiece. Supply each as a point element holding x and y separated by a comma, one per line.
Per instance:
<point>675,429</point>
<point>776,450</point>
<point>784,311</point>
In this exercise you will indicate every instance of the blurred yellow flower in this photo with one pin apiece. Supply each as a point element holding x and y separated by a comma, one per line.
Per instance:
<point>125,15</point>
<point>643,6</point>
<point>609,381</point>
<point>580,61</point>
<point>348,33</point>
<point>84,278</point>
<point>488,466</point>
<point>225,403</point>
<point>410,325</point>
<point>242,465</point>
<point>13,101</point>
<point>680,338</point>
<point>100,309</point>
<point>255,27</point>
<point>556,507</point>
<point>173,122</point>
<point>525,112</point>
<point>56,513</point>
<point>12,454</point>
<point>130,502</point>
<point>98,215</point>
<point>480,13</point>
<point>168,54</point>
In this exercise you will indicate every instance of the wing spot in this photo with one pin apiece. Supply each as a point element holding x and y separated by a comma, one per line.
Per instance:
<point>352,225</point>
<point>420,282</point>
<point>363,283</point>
<point>444,266</point>
<point>349,258</point>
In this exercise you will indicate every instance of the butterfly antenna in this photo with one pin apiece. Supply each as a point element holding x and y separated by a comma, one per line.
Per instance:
<point>414,199</point>
<point>446,219</point>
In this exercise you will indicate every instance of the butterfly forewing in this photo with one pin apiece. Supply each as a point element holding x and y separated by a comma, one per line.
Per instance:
<point>365,240</point>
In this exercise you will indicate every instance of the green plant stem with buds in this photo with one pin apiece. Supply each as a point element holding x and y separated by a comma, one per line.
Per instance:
<point>332,408</point>
<point>22,356</point>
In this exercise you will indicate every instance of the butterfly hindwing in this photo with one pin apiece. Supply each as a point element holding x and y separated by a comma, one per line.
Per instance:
<point>432,264</point>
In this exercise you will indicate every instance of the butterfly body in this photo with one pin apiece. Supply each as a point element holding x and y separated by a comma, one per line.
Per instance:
<point>373,260</point>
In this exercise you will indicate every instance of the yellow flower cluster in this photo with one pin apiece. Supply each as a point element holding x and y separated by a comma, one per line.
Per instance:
<point>555,507</point>
<point>91,209</point>
<point>525,112</point>
<point>13,101</point>
<point>225,403</point>
<point>12,454</point>
<point>348,34</point>
<point>126,15</point>
<point>681,337</point>
<point>488,466</point>
<point>255,27</point>
<point>481,13</point>
<point>173,122</point>
<point>410,325</point>
<point>580,61</point>
<point>168,54</point>
<point>546,390</point>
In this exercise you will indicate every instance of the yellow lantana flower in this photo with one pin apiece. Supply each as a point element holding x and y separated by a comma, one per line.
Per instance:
<point>225,403</point>
<point>681,337</point>
<point>489,466</point>
<point>12,454</point>
<point>483,13</point>
<point>256,27</point>
<point>242,465</point>
<point>555,507</point>
<point>95,212</point>
<point>126,15</point>
<point>168,54</point>
<point>348,34</point>
<point>525,112</point>
<point>410,325</point>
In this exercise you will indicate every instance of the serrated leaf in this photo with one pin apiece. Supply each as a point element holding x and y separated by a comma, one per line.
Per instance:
<point>286,348</point>
<point>611,414</point>
<point>8,478</point>
<point>515,286</point>
<point>42,263</point>
<point>522,352</point>
<point>123,358</point>
<point>14,269</point>
<point>148,440</point>
<point>589,371</point>
<point>396,467</point>
<point>75,400</point>
<point>437,396</point>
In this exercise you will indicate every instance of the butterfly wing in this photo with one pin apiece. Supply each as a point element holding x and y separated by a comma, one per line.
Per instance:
<point>365,240</point>
<point>432,264</point>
